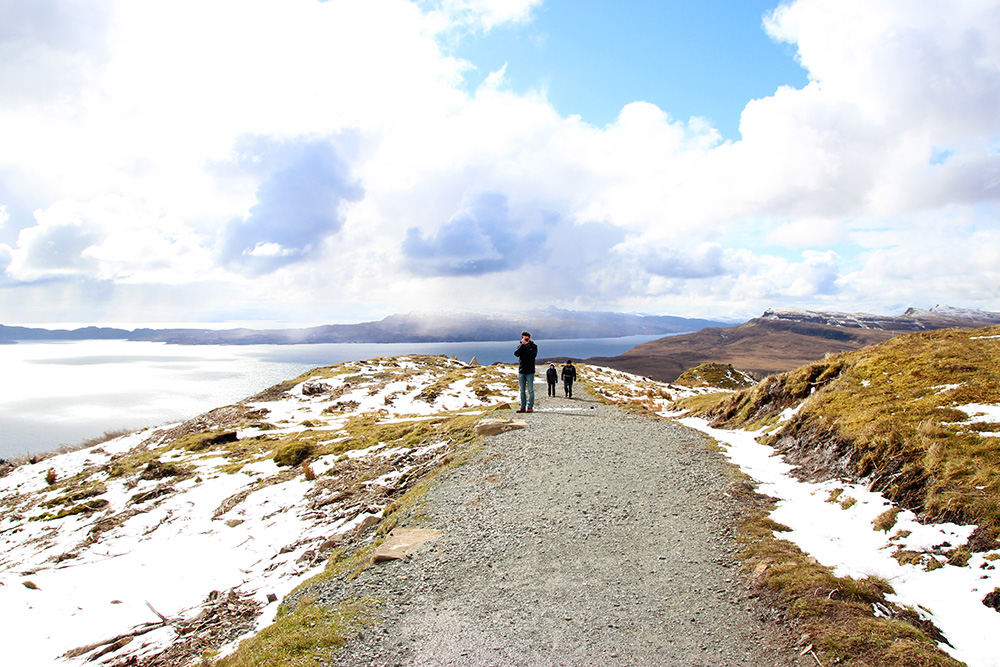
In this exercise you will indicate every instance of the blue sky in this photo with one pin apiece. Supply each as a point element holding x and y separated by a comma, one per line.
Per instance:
<point>689,58</point>
<point>343,160</point>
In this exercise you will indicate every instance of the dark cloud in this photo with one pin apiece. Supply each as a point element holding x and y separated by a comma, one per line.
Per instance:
<point>481,239</point>
<point>298,205</point>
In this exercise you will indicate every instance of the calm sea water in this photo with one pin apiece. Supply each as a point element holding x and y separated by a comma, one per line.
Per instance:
<point>63,393</point>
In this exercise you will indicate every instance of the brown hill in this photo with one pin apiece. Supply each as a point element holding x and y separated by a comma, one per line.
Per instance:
<point>782,340</point>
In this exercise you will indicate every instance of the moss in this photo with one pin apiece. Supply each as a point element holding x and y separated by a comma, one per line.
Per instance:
<point>196,442</point>
<point>156,469</point>
<point>86,507</point>
<point>293,453</point>
<point>908,557</point>
<point>75,495</point>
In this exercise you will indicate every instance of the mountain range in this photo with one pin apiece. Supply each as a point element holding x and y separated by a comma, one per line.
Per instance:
<point>455,326</point>
<point>781,340</point>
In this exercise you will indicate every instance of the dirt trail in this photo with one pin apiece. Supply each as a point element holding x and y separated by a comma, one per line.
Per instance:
<point>592,537</point>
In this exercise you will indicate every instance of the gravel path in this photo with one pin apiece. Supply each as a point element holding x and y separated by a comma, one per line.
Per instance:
<point>592,537</point>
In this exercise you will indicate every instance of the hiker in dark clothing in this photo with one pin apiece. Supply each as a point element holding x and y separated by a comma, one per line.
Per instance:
<point>551,376</point>
<point>568,375</point>
<point>526,353</point>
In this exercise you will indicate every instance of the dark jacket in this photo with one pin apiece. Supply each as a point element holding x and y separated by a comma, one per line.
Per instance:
<point>527,354</point>
<point>552,375</point>
<point>569,373</point>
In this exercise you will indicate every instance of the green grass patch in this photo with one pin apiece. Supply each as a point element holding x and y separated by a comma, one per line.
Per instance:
<point>304,636</point>
<point>293,453</point>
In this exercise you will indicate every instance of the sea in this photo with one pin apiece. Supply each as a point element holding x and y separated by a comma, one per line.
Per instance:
<point>55,395</point>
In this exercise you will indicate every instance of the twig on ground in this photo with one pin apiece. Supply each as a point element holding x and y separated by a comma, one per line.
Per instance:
<point>162,617</point>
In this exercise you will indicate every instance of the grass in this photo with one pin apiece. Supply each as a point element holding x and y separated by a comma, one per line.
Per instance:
<point>722,376</point>
<point>836,613</point>
<point>890,409</point>
<point>305,635</point>
<point>701,403</point>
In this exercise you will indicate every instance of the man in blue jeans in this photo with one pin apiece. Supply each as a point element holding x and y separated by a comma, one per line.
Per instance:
<point>526,353</point>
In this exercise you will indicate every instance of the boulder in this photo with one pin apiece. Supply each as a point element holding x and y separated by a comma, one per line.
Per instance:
<point>402,542</point>
<point>495,425</point>
<point>315,388</point>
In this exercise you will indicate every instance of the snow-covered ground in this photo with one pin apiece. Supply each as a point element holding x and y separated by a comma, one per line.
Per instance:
<point>262,529</point>
<point>841,534</point>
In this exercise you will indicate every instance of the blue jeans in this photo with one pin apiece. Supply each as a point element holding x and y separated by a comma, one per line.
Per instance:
<point>526,383</point>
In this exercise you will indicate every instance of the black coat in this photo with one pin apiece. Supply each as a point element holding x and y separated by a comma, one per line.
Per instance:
<point>568,374</point>
<point>526,352</point>
<point>552,375</point>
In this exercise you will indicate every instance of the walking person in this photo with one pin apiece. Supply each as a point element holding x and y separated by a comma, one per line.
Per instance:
<point>526,353</point>
<point>568,375</point>
<point>551,375</point>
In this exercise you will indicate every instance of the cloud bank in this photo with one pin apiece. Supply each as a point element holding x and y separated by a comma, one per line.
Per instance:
<point>304,160</point>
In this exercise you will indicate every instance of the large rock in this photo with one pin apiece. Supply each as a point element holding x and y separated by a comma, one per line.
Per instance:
<point>402,542</point>
<point>495,425</point>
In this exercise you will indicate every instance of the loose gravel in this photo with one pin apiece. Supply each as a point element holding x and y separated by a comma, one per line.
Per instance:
<point>594,536</point>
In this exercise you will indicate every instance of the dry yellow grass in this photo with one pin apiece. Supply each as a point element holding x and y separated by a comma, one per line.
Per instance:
<point>889,412</point>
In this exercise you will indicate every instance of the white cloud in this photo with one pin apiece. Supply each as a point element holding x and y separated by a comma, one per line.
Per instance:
<point>487,14</point>
<point>808,233</point>
<point>163,150</point>
<point>109,238</point>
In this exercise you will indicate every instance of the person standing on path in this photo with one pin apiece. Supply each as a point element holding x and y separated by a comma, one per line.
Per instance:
<point>551,375</point>
<point>568,375</point>
<point>526,353</point>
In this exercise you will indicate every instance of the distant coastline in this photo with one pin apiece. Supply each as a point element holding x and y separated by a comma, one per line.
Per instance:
<point>454,327</point>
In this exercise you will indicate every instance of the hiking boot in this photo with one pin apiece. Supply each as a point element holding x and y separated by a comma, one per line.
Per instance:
<point>529,410</point>
<point>520,410</point>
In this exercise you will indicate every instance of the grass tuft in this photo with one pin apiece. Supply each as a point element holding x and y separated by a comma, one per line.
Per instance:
<point>304,636</point>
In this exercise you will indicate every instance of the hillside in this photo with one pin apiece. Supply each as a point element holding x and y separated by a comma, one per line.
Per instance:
<point>915,417</point>
<point>781,340</point>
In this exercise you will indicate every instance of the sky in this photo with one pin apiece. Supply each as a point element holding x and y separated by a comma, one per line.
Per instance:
<point>340,161</point>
